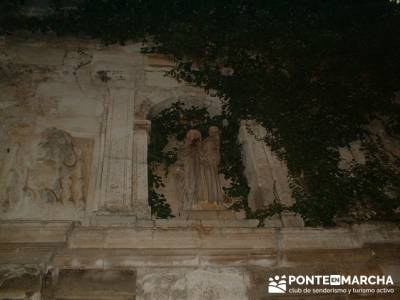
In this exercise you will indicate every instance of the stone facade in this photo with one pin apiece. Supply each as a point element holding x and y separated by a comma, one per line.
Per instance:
<point>75,220</point>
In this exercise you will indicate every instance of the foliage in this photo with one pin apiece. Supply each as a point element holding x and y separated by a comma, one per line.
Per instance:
<point>174,122</point>
<point>315,73</point>
<point>275,208</point>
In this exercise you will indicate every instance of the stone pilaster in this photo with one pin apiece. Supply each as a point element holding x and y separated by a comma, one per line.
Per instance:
<point>141,140</point>
<point>124,183</point>
<point>117,159</point>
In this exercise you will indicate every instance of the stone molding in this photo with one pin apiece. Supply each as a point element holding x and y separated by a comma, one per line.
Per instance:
<point>161,235</point>
<point>148,246</point>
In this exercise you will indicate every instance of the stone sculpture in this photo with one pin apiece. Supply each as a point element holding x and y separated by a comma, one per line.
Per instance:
<point>57,174</point>
<point>202,187</point>
<point>210,159</point>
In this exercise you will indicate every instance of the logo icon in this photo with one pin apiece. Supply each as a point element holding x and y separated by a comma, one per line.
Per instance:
<point>277,285</point>
<point>335,280</point>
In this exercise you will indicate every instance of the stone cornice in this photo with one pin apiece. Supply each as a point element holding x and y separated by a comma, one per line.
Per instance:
<point>163,244</point>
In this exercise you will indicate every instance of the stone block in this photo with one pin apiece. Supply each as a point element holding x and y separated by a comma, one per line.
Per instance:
<point>26,254</point>
<point>153,258</point>
<point>325,256</point>
<point>175,238</point>
<point>376,232</point>
<point>174,222</point>
<point>34,231</point>
<point>220,215</point>
<point>247,223</point>
<point>194,284</point>
<point>318,238</point>
<point>292,220</point>
<point>112,220</point>
<point>18,283</point>
<point>93,284</point>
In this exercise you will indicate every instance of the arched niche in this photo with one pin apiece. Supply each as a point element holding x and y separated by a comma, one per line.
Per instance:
<point>174,176</point>
<point>213,105</point>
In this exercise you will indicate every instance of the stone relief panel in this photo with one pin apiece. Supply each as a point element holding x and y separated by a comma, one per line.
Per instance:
<point>20,282</point>
<point>45,176</point>
<point>15,130</point>
<point>60,164</point>
<point>195,284</point>
<point>90,284</point>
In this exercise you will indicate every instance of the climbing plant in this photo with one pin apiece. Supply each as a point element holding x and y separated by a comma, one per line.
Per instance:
<point>174,122</point>
<point>314,73</point>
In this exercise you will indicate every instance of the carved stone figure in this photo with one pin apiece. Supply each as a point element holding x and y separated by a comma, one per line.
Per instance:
<point>212,192</point>
<point>12,171</point>
<point>57,173</point>
<point>192,179</point>
<point>202,187</point>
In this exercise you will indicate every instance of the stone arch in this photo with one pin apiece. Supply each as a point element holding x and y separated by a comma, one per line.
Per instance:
<point>149,103</point>
<point>212,105</point>
<point>172,176</point>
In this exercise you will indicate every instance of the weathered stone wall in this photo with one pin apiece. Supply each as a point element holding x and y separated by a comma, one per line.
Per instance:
<point>160,260</point>
<point>94,98</point>
<point>75,221</point>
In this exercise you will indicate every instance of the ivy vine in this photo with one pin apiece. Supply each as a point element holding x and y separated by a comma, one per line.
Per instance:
<point>314,73</point>
<point>174,122</point>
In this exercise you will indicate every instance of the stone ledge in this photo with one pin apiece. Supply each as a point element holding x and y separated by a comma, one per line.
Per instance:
<point>191,234</point>
<point>339,238</point>
<point>174,238</point>
<point>130,221</point>
<point>129,258</point>
<point>27,231</point>
<point>174,223</point>
<point>27,254</point>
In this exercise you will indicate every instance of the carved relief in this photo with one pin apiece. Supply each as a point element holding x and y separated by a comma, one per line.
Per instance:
<point>13,156</point>
<point>58,172</point>
<point>199,160</point>
<point>10,183</point>
<point>143,108</point>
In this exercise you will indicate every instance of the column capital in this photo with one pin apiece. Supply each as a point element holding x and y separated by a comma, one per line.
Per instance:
<point>143,124</point>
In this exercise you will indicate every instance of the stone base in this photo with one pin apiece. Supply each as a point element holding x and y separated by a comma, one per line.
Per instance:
<point>290,219</point>
<point>91,285</point>
<point>176,223</point>
<point>208,215</point>
<point>114,219</point>
<point>121,217</point>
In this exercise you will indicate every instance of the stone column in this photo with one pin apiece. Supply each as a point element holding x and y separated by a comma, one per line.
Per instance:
<point>141,140</point>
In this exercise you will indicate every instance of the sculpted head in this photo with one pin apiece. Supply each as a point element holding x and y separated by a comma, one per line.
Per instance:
<point>213,131</point>
<point>193,136</point>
